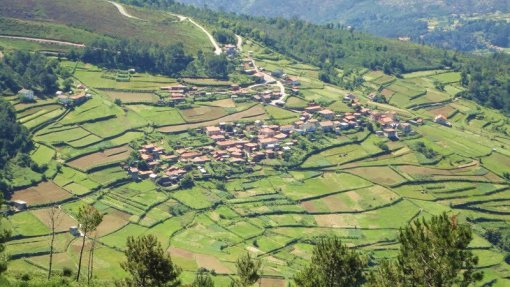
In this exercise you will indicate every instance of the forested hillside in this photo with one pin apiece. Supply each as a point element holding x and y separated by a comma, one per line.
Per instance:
<point>389,18</point>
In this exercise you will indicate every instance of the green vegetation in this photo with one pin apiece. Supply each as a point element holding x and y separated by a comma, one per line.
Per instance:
<point>355,184</point>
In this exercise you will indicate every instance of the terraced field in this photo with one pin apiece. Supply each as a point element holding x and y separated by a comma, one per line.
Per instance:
<point>358,186</point>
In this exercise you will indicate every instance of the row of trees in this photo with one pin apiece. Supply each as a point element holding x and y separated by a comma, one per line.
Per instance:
<point>153,58</point>
<point>144,56</point>
<point>432,253</point>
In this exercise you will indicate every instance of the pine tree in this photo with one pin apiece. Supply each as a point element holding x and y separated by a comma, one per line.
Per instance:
<point>203,279</point>
<point>247,271</point>
<point>333,265</point>
<point>433,253</point>
<point>88,218</point>
<point>149,264</point>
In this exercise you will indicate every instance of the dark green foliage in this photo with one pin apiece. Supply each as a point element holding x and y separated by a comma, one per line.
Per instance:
<point>333,265</point>
<point>247,271</point>
<point>147,57</point>
<point>488,81</point>
<point>149,264</point>
<point>217,66</point>
<point>4,236</point>
<point>498,238</point>
<point>32,71</point>
<point>433,253</point>
<point>202,279</point>
<point>14,138</point>
<point>186,181</point>
<point>423,149</point>
<point>225,36</point>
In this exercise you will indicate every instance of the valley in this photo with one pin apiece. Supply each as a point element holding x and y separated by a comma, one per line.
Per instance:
<point>265,160</point>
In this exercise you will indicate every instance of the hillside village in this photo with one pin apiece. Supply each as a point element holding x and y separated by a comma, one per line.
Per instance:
<point>251,143</point>
<point>264,160</point>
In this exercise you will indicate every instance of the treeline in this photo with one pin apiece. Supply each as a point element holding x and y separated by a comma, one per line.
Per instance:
<point>143,56</point>
<point>432,252</point>
<point>471,35</point>
<point>171,60</point>
<point>28,70</point>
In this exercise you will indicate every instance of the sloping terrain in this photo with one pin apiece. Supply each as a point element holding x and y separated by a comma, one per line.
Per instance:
<point>75,20</point>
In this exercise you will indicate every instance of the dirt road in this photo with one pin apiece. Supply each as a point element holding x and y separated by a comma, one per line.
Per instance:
<point>217,48</point>
<point>41,40</point>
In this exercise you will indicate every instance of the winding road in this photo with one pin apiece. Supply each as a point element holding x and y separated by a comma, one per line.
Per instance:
<point>42,40</point>
<point>239,43</point>
<point>217,48</point>
<point>268,79</point>
<point>123,11</point>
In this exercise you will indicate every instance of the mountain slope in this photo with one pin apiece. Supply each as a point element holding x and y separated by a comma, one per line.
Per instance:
<point>388,18</point>
<point>32,18</point>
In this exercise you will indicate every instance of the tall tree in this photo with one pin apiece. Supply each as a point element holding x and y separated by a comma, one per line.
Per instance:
<point>54,214</point>
<point>149,264</point>
<point>433,253</point>
<point>247,270</point>
<point>88,218</point>
<point>14,137</point>
<point>203,279</point>
<point>4,236</point>
<point>333,265</point>
<point>90,269</point>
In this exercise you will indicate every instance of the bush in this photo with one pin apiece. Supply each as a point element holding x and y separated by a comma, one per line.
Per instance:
<point>67,272</point>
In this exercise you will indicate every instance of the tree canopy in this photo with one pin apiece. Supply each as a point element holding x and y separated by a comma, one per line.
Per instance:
<point>14,137</point>
<point>149,264</point>
<point>21,69</point>
<point>333,264</point>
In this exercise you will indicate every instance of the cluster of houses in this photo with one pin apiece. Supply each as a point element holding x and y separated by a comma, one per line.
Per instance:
<point>266,96</point>
<point>178,93</point>
<point>74,98</point>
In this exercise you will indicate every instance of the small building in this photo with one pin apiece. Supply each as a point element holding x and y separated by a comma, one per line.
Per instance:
<point>313,109</point>
<point>405,128</point>
<point>265,142</point>
<point>327,114</point>
<point>442,120</point>
<point>349,97</point>
<point>391,133</point>
<point>212,130</point>
<point>19,205</point>
<point>26,95</point>
<point>75,231</point>
<point>327,126</point>
<point>267,132</point>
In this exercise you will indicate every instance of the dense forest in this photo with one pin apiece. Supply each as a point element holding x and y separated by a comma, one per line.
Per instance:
<point>488,81</point>
<point>471,35</point>
<point>28,70</point>
<point>124,54</point>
